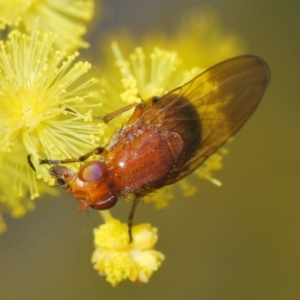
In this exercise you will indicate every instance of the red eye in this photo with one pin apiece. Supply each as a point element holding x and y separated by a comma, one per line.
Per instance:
<point>91,171</point>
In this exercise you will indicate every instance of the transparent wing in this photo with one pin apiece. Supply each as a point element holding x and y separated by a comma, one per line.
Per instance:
<point>225,96</point>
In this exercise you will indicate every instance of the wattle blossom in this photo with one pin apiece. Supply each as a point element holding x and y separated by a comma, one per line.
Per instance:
<point>42,113</point>
<point>64,18</point>
<point>118,259</point>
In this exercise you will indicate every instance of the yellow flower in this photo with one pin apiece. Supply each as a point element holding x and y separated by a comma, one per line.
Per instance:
<point>63,17</point>
<point>42,113</point>
<point>118,259</point>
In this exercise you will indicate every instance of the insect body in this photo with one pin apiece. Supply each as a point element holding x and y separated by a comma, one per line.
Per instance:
<point>168,137</point>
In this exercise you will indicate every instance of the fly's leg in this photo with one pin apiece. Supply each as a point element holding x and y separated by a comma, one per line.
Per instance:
<point>30,162</point>
<point>138,110</point>
<point>135,202</point>
<point>96,151</point>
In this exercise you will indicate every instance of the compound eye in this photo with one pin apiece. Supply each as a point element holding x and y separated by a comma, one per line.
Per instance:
<point>91,171</point>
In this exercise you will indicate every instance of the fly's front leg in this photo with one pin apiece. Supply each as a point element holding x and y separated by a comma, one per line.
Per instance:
<point>30,162</point>
<point>96,151</point>
<point>137,112</point>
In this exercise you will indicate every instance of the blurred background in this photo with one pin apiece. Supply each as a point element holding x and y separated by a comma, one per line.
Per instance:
<point>239,241</point>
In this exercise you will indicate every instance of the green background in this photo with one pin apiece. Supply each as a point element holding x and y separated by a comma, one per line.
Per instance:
<point>240,241</point>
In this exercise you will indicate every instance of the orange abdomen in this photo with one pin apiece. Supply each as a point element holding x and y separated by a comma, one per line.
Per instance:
<point>142,163</point>
<point>152,150</point>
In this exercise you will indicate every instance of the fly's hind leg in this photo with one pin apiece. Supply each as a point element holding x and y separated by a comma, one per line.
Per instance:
<point>135,202</point>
